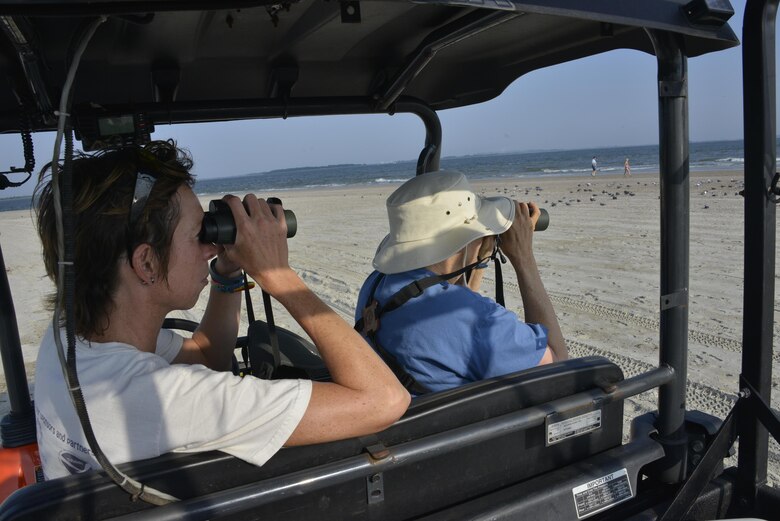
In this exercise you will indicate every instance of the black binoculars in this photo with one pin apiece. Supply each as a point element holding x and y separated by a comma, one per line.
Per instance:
<point>219,227</point>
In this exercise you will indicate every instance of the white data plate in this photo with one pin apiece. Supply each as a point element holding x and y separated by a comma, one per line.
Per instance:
<point>602,493</point>
<point>576,426</point>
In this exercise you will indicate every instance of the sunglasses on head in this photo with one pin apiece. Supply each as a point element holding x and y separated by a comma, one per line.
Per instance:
<point>144,182</point>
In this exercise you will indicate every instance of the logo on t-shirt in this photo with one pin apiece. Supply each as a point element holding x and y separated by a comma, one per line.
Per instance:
<point>73,463</point>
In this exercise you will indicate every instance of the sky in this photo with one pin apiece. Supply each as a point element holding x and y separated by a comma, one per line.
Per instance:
<point>607,100</point>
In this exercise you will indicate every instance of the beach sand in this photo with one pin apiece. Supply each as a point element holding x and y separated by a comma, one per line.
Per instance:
<point>599,261</point>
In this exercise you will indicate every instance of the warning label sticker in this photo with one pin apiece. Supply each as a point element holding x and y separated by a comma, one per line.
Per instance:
<point>602,493</point>
<point>571,427</point>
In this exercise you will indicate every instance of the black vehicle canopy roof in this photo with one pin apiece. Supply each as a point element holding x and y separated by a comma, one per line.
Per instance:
<point>213,56</point>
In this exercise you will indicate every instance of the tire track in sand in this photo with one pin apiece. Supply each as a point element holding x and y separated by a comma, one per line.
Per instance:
<point>654,324</point>
<point>338,293</point>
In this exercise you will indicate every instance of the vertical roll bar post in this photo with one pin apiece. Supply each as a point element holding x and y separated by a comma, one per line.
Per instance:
<point>758,62</point>
<point>675,234</point>
<point>18,426</point>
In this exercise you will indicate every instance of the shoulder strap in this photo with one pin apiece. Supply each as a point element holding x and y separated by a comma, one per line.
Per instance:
<point>368,324</point>
<point>412,290</point>
<point>369,313</point>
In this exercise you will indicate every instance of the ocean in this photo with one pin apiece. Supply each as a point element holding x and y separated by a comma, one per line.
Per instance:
<point>704,156</point>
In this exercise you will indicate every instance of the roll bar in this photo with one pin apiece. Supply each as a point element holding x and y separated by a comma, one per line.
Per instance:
<point>761,196</point>
<point>18,427</point>
<point>675,236</point>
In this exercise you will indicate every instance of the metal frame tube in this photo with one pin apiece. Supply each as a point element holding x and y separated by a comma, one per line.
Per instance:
<point>204,111</point>
<point>758,59</point>
<point>431,154</point>
<point>675,234</point>
<point>17,428</point>
<point>261,108</point>
<point>11,352</point>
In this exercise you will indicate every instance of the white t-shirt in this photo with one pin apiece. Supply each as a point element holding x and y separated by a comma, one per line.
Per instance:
<point>140,406</point>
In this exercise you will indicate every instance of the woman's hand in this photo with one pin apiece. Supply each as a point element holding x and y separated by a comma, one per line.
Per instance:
<point>261,240</point>
<point>224,266</point>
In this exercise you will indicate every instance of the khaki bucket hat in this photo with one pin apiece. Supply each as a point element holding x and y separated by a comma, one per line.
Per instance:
<point>433,216</point>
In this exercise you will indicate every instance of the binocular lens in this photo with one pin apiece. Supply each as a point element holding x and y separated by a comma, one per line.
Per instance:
<point>543,222</point>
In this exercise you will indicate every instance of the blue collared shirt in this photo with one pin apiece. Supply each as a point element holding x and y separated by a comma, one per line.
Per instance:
<point>451,335</point>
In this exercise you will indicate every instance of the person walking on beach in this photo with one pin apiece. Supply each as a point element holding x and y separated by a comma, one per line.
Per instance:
<point>626,168</point>
<point>441,237</point>
<point>594,166</point>
<point>149,391</point>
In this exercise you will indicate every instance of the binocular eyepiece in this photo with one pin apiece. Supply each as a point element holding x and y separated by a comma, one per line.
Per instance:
<point>219,227</point>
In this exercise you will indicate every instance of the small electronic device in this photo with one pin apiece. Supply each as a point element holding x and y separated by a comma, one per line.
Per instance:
<point>98,130</point>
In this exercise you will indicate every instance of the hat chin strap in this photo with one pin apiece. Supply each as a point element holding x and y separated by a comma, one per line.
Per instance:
<point>498,259</point>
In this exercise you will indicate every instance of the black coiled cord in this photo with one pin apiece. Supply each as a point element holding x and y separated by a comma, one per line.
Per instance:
<point>25,124</point>
<point>27,141</point>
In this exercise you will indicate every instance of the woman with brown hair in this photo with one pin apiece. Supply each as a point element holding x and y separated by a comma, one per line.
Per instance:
<point>138,256</point>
